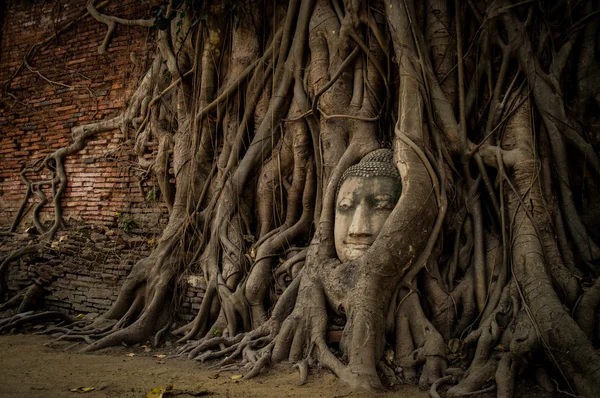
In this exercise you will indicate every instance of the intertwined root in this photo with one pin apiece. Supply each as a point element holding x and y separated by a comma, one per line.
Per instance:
<point>255,349</point>
<point>13,323</point>
<point>289,154</point>
<point>298,336</point>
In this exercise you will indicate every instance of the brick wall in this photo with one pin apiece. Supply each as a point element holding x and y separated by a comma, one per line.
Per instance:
<point>70,84</point>
<point>83,269</point>
<point>86,264</point>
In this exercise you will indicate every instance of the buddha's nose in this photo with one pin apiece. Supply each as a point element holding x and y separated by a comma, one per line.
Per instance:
<point>361,222</point>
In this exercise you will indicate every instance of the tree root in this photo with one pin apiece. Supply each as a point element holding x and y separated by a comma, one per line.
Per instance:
<point>433,393</point>
<point>586,312</point>
<point>302,368</point>
<point>288,155</point>
<point>414,332</point>
<point>111,23</point>
<point>24,318</point>
<point>7,260</point>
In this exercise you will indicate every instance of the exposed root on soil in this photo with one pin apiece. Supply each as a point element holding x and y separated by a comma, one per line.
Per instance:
<point>17,321</point>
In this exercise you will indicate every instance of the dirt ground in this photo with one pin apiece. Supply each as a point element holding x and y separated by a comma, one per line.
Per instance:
<point>34,366</point>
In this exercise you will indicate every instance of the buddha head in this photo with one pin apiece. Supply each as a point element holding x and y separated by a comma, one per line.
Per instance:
<point>367,193</point>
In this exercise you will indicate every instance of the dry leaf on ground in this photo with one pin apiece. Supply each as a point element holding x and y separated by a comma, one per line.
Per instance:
<point>83,389</point>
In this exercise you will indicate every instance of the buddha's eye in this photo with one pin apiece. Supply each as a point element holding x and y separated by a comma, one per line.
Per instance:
<point>384,202</point>
<point>345,204</point>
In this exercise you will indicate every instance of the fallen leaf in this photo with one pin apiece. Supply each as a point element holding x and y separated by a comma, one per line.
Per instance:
<point>144,346</point>
<point>80,316</point>
<point>131,354</point>
<point>236,377</point>
<point>83,389</point>
<point>157,392</point>
<point>160,355</point>
<point>160,392</point>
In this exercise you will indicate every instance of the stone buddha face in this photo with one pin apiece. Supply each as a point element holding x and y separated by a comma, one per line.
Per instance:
<point>367,194</point>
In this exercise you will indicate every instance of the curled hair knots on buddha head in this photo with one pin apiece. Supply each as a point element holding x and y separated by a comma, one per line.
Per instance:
<point>378,163</point>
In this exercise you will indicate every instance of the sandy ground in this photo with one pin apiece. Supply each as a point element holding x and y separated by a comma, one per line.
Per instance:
<point>33,366</point>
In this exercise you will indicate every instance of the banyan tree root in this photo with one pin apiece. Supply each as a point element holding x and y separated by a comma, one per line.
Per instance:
<point>425,345</point>
<point>258,114</point>
<point>29,317</point>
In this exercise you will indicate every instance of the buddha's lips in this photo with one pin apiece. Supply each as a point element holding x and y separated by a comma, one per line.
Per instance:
<point>357,246</point>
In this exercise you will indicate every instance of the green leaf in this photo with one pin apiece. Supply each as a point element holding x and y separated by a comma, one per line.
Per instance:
<point>151,195</point>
